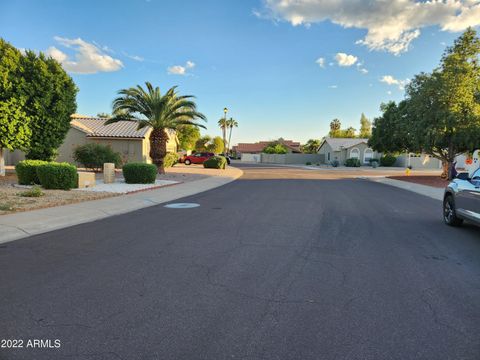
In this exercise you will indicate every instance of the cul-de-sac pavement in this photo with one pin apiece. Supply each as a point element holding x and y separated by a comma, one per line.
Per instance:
<point>283,263</point>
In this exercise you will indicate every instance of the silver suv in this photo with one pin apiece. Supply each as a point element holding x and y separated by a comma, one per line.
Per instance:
<point>462,199</point>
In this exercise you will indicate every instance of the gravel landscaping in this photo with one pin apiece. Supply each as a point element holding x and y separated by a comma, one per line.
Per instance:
<point>11,201</point>
<point>435,181</point>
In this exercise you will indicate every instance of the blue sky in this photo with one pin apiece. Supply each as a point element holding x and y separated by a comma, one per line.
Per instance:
<point>258,58</point>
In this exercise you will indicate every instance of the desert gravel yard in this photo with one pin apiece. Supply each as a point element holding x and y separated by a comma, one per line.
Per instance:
<point>11,201</point>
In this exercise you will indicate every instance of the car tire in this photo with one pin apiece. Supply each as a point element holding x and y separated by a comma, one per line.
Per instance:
<point>449,213</point>
<point>187,162</point>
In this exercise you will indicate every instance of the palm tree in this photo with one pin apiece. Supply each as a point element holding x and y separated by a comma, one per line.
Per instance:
<point>149,108</point>
<point>231,124</point>
<point>223,123</point>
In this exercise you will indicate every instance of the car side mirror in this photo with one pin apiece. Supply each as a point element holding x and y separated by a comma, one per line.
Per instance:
<point>463,176</point>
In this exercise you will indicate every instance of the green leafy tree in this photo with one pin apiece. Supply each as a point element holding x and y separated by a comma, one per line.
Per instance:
<point>188,136</point>
<point>311,147</point>
<point>216,145</point>
<point>348,133</point>
<point>103,115</point>
<point>441,112</point>
<point>275,148</point>
<point>14,128</point>
<point>391,132</point>
<point>365,127</point>
<point>231,124</point>
<point>50,95</point>
<point>444,106</point>
<point>202,143</point>
<point>14,121</point>
<point>149,108</point>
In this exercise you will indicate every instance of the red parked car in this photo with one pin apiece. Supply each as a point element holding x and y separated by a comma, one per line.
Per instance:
<point>197,158</point>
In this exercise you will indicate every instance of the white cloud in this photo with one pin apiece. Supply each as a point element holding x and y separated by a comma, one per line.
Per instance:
<point>391,81</point>
<point>363,70</point>
<point>88,57</point>
<point>181,70</point>
<point>345,59</point>
<point>389,92</point>
<point>333,87</point>
<point>133,57</point>
<point>391,24</point>
<point>321,62</point>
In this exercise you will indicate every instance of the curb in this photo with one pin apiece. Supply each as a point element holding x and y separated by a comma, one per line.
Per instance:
<point>24,224</point>
<point>425,190</point>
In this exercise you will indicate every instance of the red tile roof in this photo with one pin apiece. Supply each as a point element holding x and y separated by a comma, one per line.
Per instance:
<point>255,148</point>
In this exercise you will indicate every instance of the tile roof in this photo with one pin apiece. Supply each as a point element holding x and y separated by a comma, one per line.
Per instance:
<point>338,143</point>
<point>259,146</point>
<point>95,127</point>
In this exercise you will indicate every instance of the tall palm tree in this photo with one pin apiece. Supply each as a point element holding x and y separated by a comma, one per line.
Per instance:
<point>223,124</point>
<point>231,124</point>
<point>149,108</point>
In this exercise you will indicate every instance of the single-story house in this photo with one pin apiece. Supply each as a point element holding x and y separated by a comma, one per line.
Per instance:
<point>293,147</point>
<point>123,137</point>
<point>341,149</point>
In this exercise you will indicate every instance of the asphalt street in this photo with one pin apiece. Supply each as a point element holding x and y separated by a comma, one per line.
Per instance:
<point>280,264</point>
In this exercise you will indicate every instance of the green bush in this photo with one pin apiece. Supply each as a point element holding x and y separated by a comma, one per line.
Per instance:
<point>352,162</point>
<point>35,191</point>
<point>58,176</point>
<point>215,162</point>
<point>93,156</point>
<point>139,173</point>
<point>308,163</point>
<point>388,160</point>
<point>170,160</point>
<point>27,171</point>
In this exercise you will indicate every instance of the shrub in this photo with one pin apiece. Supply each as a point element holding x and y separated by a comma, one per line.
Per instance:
<point>334,163</point>
<point>58,176</point>
<point>93,156</point>
<point>387,160</point>
<point>27,171</point>
<point>215,162</point>
<point>371,161</point>
<point>352,162</point>
<point>139,173</point>
<point>308,163</point>
<point>35,191</point>
<point>170,160</point>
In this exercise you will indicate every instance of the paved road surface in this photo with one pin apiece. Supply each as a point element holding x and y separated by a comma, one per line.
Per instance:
<point>280,264</point>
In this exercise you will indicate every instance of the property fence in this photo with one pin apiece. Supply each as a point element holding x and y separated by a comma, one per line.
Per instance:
<point>418,161</point>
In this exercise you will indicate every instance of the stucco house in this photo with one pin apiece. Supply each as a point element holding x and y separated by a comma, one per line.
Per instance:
<point>123,137</point>
<point>341,149</point>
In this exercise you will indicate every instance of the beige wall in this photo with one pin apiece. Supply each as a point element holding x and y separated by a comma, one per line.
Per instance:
<point>131,150</point>
<point>73,139</point>
<point>13,157</point>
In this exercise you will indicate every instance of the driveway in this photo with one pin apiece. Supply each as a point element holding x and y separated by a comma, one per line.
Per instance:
<point>280,264</point>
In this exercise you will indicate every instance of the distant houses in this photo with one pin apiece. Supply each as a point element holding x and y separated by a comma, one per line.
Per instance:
<point>341,149</point>
<point>257,148</point>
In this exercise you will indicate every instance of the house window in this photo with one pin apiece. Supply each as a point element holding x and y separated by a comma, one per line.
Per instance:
<point>367,155</point>
<point>355,153</point>
<point>328,156</point>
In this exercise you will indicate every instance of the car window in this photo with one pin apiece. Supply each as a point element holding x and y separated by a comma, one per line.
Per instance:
<point>476,175</point>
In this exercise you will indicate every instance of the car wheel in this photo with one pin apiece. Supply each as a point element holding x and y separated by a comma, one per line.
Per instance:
<point>449,213</point>
<point>187,162</point>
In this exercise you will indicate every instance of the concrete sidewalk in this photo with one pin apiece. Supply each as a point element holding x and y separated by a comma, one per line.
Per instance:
<point>24,224</point>
<point>430,191</point>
